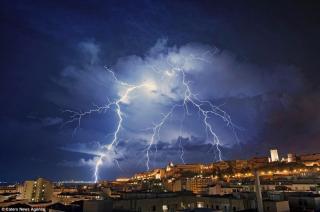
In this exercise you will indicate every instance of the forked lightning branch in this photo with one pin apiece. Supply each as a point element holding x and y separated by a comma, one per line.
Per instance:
<point>190,103</point>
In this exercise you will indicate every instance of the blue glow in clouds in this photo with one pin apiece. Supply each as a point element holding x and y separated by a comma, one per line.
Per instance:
<point>165,79</point>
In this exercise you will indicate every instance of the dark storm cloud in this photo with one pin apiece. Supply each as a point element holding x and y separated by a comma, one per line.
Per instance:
<point>218,76</point>
<point>297,125</point>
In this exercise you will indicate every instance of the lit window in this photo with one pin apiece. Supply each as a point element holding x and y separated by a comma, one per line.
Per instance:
<point>200,204</point>
<point>164,208</point>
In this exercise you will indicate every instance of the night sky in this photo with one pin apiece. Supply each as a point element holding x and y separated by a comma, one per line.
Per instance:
<point>262,69</point>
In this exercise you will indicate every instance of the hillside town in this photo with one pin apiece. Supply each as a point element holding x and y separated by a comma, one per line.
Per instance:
<point>290,183</point>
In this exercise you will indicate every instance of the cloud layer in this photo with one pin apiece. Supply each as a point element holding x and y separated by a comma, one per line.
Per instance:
<point>213,75</point>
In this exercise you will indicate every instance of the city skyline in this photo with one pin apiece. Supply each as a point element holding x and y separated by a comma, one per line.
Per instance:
<point>261,184</point>
<point>278,161</point>
<point>98,90</point>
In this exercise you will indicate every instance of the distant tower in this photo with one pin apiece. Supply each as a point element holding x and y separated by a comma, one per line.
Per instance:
<point>169,166</point>
<point>274,155</point>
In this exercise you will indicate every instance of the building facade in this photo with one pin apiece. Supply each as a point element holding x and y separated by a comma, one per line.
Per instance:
<point>37,191</point>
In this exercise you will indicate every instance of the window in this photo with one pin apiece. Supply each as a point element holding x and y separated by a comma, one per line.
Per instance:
<point>164,208</point>
<point>154,208</point>
<point>200,204</point>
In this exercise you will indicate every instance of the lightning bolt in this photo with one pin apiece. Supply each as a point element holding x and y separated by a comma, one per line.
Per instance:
<point>156,132</point>
<point>180,139</point>
<point>96,168</point>
<point>77,116</point>
<point>181,150</point>
<point>191,98</point>
<point>205,110</point>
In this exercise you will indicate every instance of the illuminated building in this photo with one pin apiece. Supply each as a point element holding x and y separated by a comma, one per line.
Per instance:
<point>257,162</point>
<point>153,174</point>
<point>222,165</point>
<point>224,189</point>
<point>123,180</point>
<point>175,185</point>
<point>240,164</point>
<point>291,158</point>
<point>310,159</point>
<point>37,191</point>
<point>198,185</point>
<point>169,167</point>
<point>274,155</point>
<point>195,168</point>
<point>8,189</point>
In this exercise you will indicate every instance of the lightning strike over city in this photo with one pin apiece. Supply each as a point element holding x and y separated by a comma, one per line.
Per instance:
<point>159,106</point>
